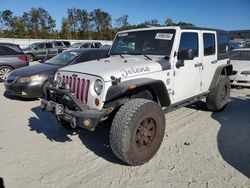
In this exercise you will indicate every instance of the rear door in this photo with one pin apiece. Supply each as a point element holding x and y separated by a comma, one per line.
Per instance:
<point>209,58</point>
<point>187,79</point>
<point>40,50</point>
<point>51,50</point>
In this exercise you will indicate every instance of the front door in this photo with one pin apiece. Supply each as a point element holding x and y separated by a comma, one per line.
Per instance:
<point>187,78</point>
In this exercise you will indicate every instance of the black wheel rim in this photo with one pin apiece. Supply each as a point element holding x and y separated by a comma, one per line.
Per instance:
<point>4,73</point>
<point>145,134</point>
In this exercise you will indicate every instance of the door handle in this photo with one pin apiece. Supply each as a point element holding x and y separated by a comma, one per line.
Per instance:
<point>198,65</point>
<point>214,62</point>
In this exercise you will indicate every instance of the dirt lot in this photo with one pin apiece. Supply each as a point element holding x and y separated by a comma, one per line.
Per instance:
<point>36,152</point>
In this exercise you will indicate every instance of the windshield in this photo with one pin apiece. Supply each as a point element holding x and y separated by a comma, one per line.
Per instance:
<point>63,58</point>
<point>33,45</point>
<point>75,45</point>
<point>149,42</point>
<point>240,55</point>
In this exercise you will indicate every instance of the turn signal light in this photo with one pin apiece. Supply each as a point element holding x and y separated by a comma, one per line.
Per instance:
<point>97,102</point>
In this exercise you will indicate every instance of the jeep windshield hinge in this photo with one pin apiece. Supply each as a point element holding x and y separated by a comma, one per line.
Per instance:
<point>115,80</point>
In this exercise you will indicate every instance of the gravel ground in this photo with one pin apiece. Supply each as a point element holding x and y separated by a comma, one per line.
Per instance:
<point>36,152</point>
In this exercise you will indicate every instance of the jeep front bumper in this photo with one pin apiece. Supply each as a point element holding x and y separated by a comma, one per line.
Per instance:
<point>86,117</point>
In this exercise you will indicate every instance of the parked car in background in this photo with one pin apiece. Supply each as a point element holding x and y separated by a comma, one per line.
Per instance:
<point>234,45</point>
<point>42,50</point>
<point>11,57</point>
<point>246,44</point>
<point>86,45</point>
<point>31,82</point>
<point>106,46</point>
<point>240,59</point>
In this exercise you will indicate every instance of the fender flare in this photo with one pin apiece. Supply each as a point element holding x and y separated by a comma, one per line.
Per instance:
<point>221,70</point>
<point>123,88</point>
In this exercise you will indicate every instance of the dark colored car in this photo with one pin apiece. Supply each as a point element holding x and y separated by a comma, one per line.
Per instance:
<point>11,57</point>
<point>32,81</point>
<point>42,50</point>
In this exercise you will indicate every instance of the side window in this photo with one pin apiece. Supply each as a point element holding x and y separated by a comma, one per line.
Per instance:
<point>209,43</point>
<point>222,42</point>
<point>59,44</point>
<point>40,46</point>
<point>49,45</point>
<point>189,40</point>
<point>5,50</point>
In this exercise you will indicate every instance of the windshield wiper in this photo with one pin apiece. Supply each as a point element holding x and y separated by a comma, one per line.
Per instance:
<point>145,55</point>
<point>119,55</point>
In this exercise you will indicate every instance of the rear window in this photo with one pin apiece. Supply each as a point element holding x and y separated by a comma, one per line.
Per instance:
<point>49,45</point>
<point>66,43</point>
<point>58,44</point>
<point>209,44</point>
<point>222,43</point>
<point>10,50</point>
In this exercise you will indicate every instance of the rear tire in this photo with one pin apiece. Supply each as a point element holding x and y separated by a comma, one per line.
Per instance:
<point>4,71</point>
<point>218,97</point>
<point>137,131</point>
<point>30,57</point>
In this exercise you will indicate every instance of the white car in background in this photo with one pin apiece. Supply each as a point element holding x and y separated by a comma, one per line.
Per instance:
<point>240,59</point>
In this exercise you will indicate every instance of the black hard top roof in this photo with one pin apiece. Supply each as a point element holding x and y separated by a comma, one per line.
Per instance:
<point>202,28</point>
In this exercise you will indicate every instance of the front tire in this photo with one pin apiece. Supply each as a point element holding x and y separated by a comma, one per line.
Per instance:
<point>4,71</point>
<point>137,131</point>
<point>219,96</point>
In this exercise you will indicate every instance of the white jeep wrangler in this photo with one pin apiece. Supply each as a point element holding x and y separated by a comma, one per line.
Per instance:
<point>148,73</point>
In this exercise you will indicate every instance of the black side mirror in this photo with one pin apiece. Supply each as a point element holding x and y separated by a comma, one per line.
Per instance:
<point>35,48</point>
<point>186,54</point>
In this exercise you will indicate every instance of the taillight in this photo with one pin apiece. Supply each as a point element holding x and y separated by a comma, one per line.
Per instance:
<point>23,57</point>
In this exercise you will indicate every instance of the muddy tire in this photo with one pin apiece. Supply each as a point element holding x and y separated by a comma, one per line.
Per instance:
<point>218,97</point>
<point>4,71</point>
<point>137,131</point>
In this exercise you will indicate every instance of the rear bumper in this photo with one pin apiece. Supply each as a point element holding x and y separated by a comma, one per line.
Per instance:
<point>85,117</point>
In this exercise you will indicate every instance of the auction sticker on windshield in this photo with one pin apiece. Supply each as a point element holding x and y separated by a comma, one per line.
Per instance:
<point>163,36</point>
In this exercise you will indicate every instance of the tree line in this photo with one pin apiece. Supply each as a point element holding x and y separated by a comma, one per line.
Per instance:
<point>79,24</point>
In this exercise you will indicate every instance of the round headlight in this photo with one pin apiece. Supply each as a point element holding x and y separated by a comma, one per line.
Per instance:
<point>98,87</point>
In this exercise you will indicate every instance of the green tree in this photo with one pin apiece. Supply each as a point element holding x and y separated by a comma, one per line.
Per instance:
<point>6,19</point>
<point>102,23</point>
<point>73,21</point>
<point>65,29</point>
<point>169,22</point>
<point>18,27</point>
<point>122,21</point>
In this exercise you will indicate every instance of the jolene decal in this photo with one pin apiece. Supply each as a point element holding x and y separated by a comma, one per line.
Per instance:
<point>134,70</point>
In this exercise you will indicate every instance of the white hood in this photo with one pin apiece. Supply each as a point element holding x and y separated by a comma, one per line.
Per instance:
<point>116,66</point>
<point>240,65</point>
